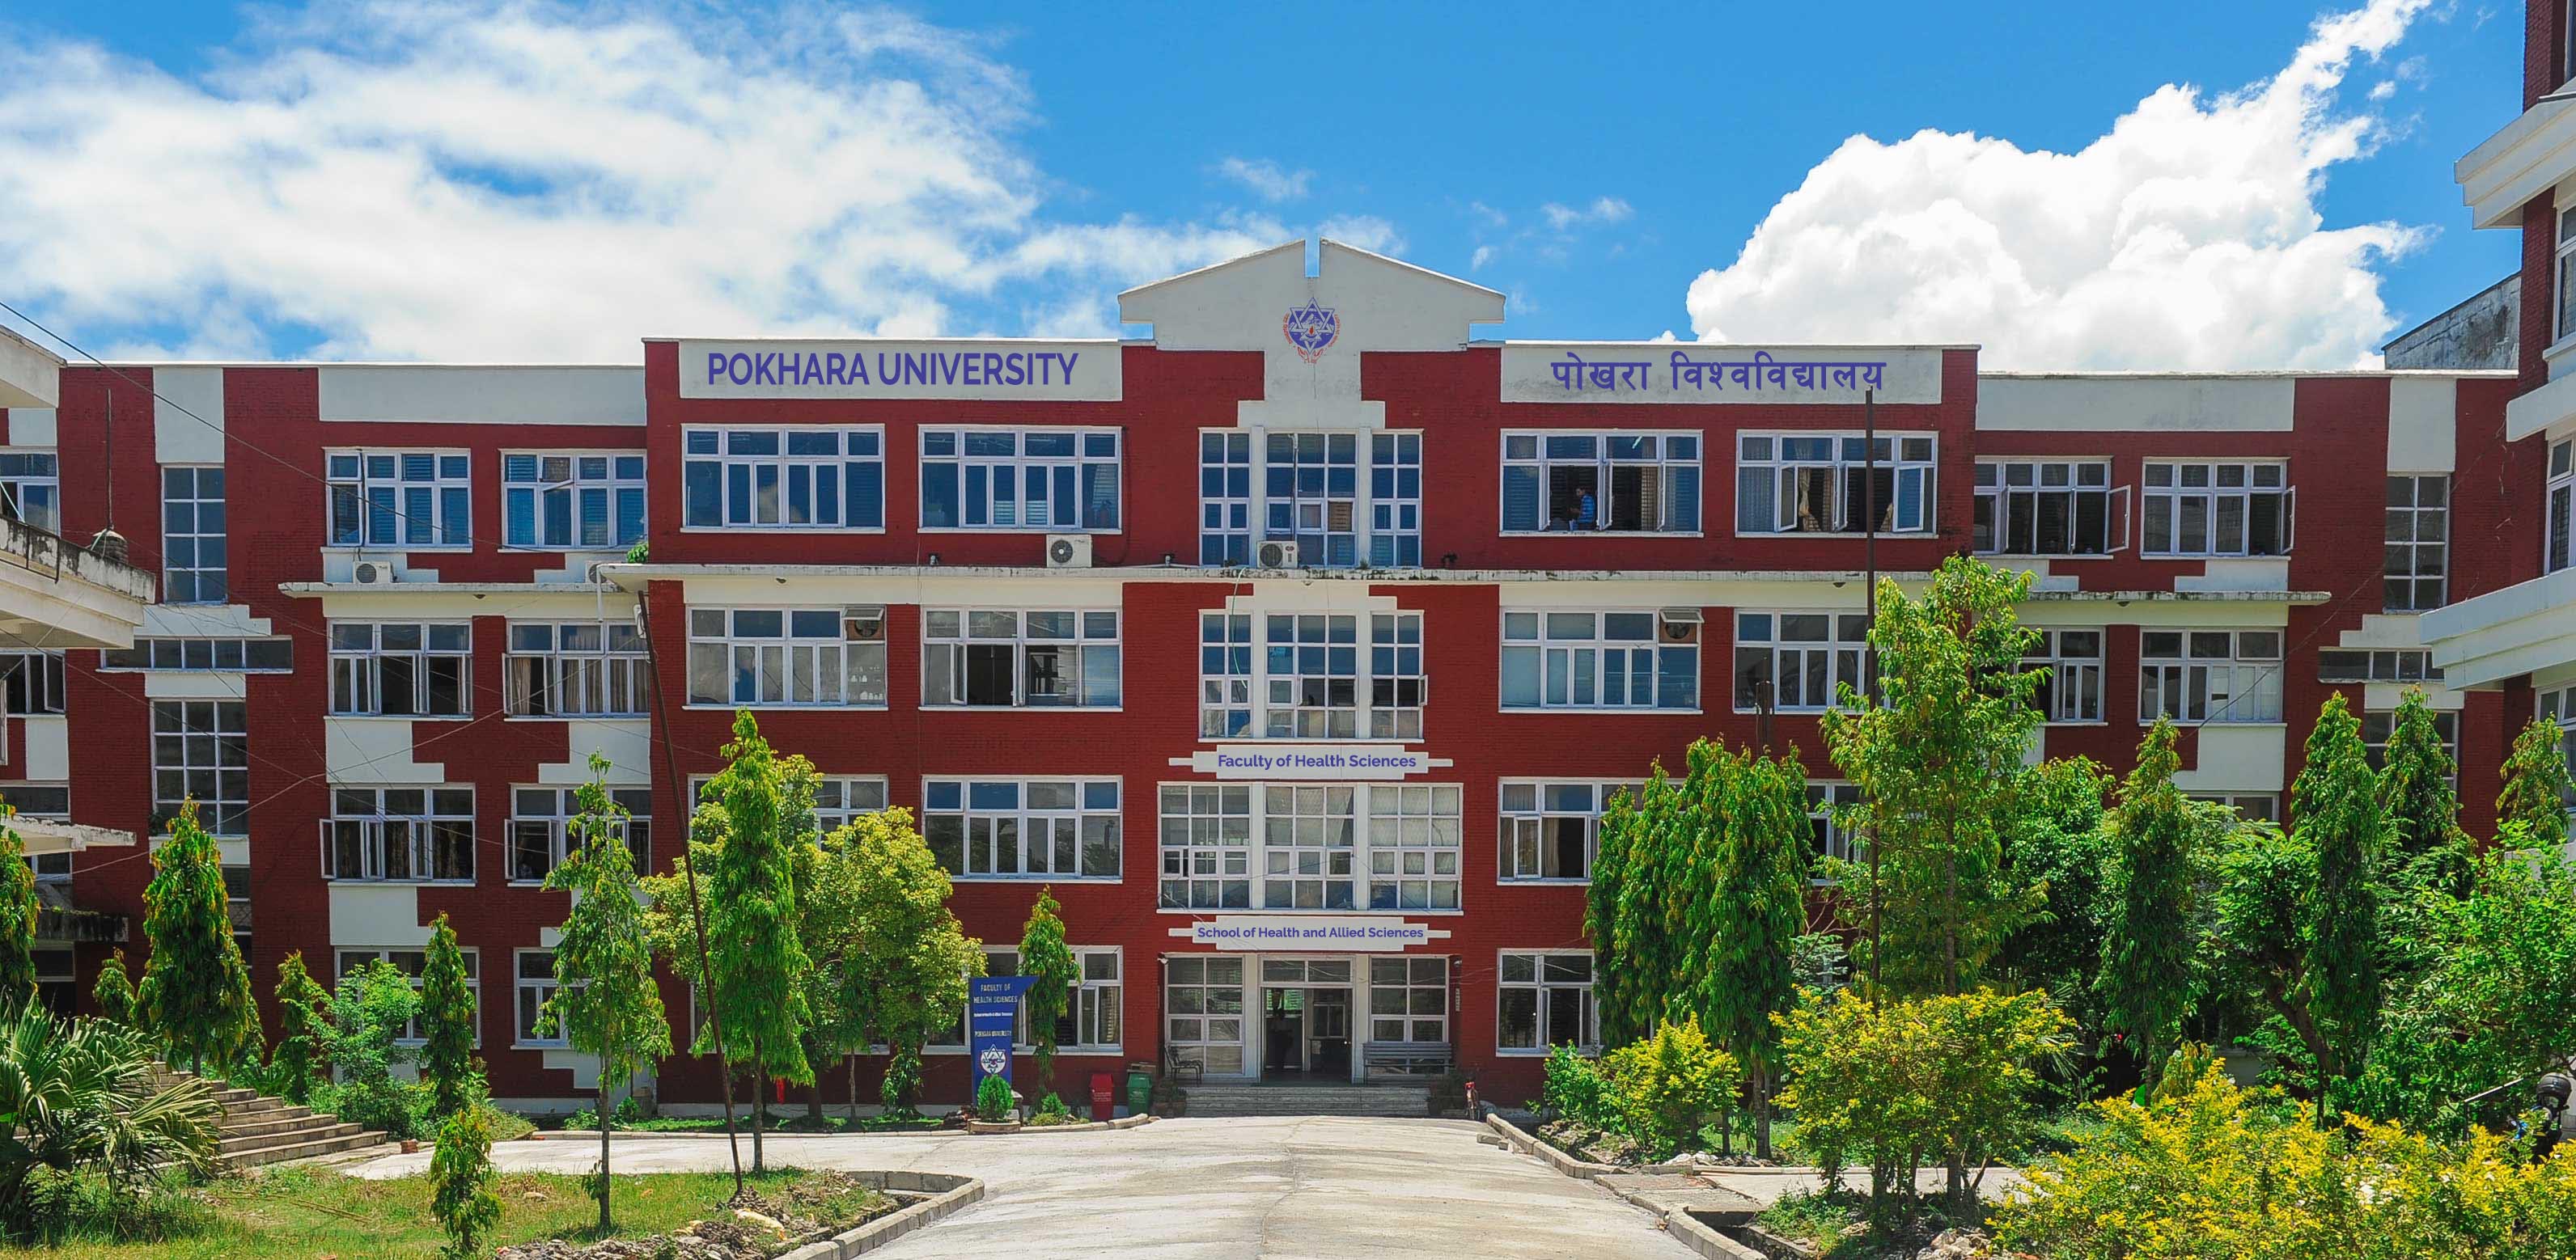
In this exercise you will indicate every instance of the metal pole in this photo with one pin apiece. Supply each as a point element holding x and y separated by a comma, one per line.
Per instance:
<point>697,908</point>
<point>1762,714</point>
<point>1869,653</point>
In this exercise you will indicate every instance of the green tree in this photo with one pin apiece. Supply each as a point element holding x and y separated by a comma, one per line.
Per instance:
<point>606,1002</point>
<point>2263,929</point>
<point>2058,842</point>
<point>1043,954</point>
<point>460,1182</point>
<point>17,916</point>
<point>1752,914</point>
<point>908,971</point>
<point>1936,754</point>
<point>1603,900</point>
<point>113,992</point>
<point>2426,847</point>
<point>2149,935</point>
<point>370,1010</point>
<point>2536,786</point>
<point>750,822</point>
<point>446,1024</point>
<point>303,1013</point>
<point>196,990</point>
<point>2335,809</point>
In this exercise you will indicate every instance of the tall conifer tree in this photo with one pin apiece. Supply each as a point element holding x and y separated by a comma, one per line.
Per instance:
<point>2335,811</point>
<point>2148,923</point>
<point>196,990</point>
<point>446,1023</point>
<point>2536,787</point>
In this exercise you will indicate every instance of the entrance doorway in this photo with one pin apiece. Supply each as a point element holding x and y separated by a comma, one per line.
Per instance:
<point>1306,1019</point>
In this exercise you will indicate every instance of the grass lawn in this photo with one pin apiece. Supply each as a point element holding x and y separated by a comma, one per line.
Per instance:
<point>778,1122</point>
<point>307,1213</point>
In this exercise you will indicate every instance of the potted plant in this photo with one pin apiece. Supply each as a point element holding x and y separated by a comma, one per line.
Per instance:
<point>997,1109</point>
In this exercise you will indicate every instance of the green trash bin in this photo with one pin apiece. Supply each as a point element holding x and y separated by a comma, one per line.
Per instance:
<point>1140,1088</point>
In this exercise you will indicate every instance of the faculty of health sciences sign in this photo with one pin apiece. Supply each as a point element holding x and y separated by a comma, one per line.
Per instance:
<point>1309,761</point>
<point>1359,935</point>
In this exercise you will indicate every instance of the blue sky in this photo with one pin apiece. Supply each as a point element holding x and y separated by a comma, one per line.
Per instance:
<point>473,180</point>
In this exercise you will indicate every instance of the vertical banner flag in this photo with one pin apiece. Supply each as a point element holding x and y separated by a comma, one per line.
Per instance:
<point>992,1008</point>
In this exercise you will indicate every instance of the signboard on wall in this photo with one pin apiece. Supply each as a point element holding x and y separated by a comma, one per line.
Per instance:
<point>1040,371</point>
<point>1355,934</point>
<point>992,1011</point>
<point>1691,372</point>
<point>1340,762</point>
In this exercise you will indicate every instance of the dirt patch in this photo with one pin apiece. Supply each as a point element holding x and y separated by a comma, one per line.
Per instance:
<point>758,1225</point>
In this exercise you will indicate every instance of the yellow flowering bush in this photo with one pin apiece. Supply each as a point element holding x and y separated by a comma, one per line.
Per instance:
<point>2210,1173</point>
<point>1665,1087</point>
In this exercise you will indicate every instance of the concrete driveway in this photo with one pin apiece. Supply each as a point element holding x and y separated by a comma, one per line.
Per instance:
<point>1329,1187</point>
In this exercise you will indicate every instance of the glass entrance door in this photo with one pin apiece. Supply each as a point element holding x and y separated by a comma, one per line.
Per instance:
<point>1306,1018</point>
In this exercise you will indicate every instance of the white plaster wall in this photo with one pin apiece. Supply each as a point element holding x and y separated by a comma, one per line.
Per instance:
<point>2110,403</point>
<point>2423,430</point>
<point>367,750</point>
<point>220,621</point>
<point>2162,614</point>
<point>2237,758</point>
<point>49,749</point>
<point>176,439</point>
<point>162,684</point>
<point>31,426</point>
<point>2251,573</point>
<point>482,395</point>
<point>626,742</point>
<point>385,916</point>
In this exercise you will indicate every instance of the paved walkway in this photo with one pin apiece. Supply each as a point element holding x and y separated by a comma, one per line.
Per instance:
<point>1325,1187</point>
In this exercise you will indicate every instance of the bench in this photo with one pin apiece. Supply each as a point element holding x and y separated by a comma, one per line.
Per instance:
<point>1416,1061</point>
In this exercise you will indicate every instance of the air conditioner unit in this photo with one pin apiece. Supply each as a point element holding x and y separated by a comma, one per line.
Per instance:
<point>372,573</point>
<point>863,623</point>
<point>1068,551</point>
<point>1678,625</point>
<point>1275,555</point>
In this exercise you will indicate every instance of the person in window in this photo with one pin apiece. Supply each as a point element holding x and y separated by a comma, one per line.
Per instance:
<point>1585,514</point>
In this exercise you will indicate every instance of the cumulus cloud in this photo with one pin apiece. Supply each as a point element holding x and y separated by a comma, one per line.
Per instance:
<point>1602,210</point>
<point>2188,236</point>
<point>1267,179</point>
<point>512,179</point>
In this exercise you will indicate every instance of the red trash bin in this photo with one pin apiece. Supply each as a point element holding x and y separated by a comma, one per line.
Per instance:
<point>1104,1095</point>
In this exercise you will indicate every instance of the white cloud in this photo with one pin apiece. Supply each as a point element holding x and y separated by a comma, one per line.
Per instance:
<point>2188,237</point>
<point>1367,231</point>
<point>1267,179</point>
<point>1602,210</point>
<point>498,179</point>
<point>1484,254</point>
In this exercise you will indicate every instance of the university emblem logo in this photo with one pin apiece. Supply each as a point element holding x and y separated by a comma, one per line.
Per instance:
<point>995,1062</point>
<point>1310,330</point>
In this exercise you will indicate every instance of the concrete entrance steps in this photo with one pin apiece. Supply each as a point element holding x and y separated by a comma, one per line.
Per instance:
<point>1412,1101</point>
<point>258,1129</point>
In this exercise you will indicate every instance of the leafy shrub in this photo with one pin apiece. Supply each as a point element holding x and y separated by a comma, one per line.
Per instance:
<point>1941,1077</point>
<point>1578,1091</point>
<point>2216,1171</point>
<point>993,1099</point>
<point>1053,1105</point>
<point>76,1097</point>
<point>460,1181</point>
<point>1665,1087</point>
<point>369,1011</point>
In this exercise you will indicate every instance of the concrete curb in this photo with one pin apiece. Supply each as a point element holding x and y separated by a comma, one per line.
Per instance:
<point>1579,1169</point>
<point>953,1194</point>
<point>1696,1235</point>
<point>630,1135</point>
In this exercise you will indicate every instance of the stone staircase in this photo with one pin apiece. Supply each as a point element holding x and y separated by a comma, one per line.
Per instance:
<point>258,1129</point>
<point>1411,1101</point>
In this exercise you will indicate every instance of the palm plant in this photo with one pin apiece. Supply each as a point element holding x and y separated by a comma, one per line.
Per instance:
<point>77,1096</point>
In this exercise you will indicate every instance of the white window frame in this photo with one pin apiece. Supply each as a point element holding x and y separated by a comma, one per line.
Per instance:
<point>2560,495</point>
<point>2562,323</point>
<point>2374,743</point>
<point>419,956</point>
<point>50,868</point>
<point>531,821</point>
<point>575,478</point>
<point>1230,514</point>
<point>1395,500</point>
<point>2191,666</point>
<point>33,684</point>
<point>1310,847</point>
<point>524,1018</point>
<point>1086,998</point>
<point>200,654</point>
<point>840,799</point>
<point>1081,463</point>
<point>1244,694</point>
<point>1024,819</point>
<point>31,487</point>
<point>1422,972</point>
<point>358,670</point>
<point>1911,462</point>
<point>1763,634</point>
<point>2250,806</point>
<point>949,637</point>
<point>744,502</point>
<point>2390,665</point>
<point>370,825</point>
<point>193,535</point>
<point>1545,994</point>
<point>367,481</point>
<point>212,747</point>
<point>2007,488</point>
<point>2557,705</point>
<point>1545,637</point>
<point>1524,831</point>
<point>1292,511</point>
<point>1824,797</point>
<point>1533,453</point>
<point>1197,1036</point>
<point>2211,496</point>
<point>604,677</point>
<point>2418,543</point>
<point>2075,677</point>
<point>717,642</point>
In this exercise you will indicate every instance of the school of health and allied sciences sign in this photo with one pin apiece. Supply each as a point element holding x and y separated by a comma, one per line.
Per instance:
<point>1355,934</point>
<point>1046,371</point>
